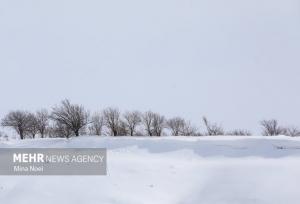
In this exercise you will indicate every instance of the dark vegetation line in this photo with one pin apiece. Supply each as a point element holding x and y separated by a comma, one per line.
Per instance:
<point>68,120</point>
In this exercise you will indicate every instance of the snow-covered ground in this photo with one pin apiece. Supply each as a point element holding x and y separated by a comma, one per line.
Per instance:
<point>169,170</point>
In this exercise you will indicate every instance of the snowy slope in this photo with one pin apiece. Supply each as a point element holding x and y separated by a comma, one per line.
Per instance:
<point>169,170</point>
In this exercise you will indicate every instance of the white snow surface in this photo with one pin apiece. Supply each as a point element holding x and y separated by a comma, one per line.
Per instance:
<point>169,170</point>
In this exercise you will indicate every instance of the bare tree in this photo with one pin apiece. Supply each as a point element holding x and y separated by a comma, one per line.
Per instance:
<point>239,132</point>
<point>71,116</point>
<point>213,129</point>
<point>180,127</point>
<point>132,120</point>
<point>147,120</point>
<point>33,125</point>
<point>158,124</point>
<point>97,123</point>
<point>292,131</point>
<point>42,119</point>
<point>154,123</point>
<point>122,128</point>
<point>112,120</point>
<point>271,128</point>
<point>189,130</point>
<point>176,125</point>
<point>19,121</point>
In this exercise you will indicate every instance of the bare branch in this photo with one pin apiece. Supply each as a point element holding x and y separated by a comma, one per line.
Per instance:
<point>19,121</point>
<point>97,123</point>
<point>176,125</point>
<point>42,118</point>
<point>112,120</point>
<point>72,116</point>
<point>213,129</point>
<point>271,128</point>
<point>154,123</point>
<point>292,131</point>
<point>132,120</point>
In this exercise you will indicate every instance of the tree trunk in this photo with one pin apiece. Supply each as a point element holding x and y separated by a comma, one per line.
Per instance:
<point>21,135</point>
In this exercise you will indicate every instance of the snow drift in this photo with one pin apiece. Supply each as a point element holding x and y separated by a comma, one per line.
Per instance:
<point>169,170</point>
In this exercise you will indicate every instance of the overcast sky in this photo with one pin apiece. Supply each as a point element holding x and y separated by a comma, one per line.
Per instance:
<point>237,62</point>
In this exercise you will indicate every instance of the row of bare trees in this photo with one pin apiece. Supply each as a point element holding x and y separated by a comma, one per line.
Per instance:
<point>25,123</point>
<point>67,119</point>
<point>272,128</point>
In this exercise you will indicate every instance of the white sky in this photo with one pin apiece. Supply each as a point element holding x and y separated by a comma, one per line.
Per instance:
<point>237,62</point>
